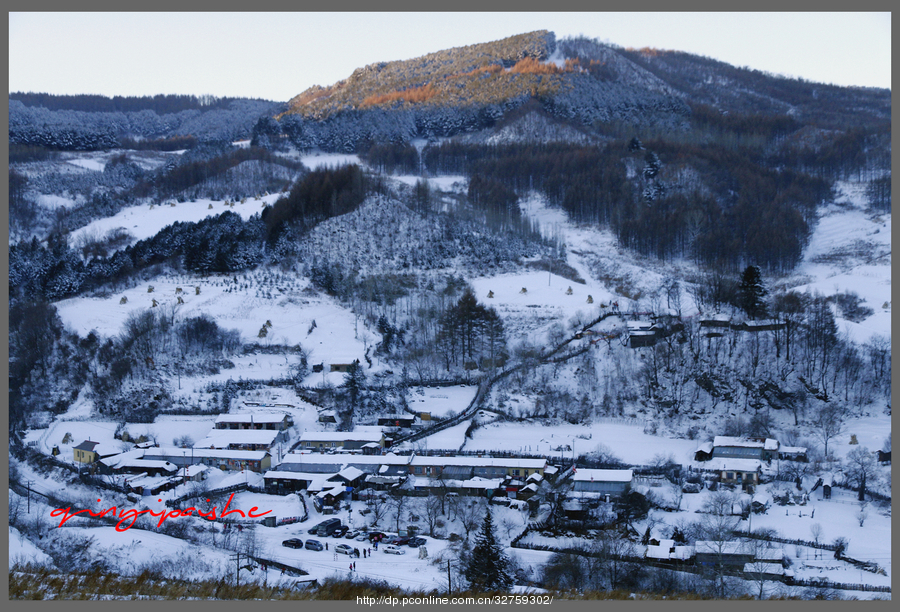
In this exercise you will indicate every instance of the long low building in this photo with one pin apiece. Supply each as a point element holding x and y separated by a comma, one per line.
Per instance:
<point>603,482</point>
<point>224,459</point>
<point>335,440</point>
<point>241,439</point>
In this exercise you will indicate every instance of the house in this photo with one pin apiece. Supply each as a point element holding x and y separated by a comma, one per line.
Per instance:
<point>280,482</point>
<point>342,367</point>
<point>475,486</point>
<point>328,416</point>
<point>482,467</point>
<point>793,453</point>
<point>729,554</point>
<point>89,452</point>
<point>827,483</point>
<point>641,333</point>
<point>704,452</point>
<point>346,440</point>
<point>242,439</point>
<point>397,420</point>
<point>277,421</point>
<point>602,482</point>
<point>737,471</point>
<point>763,449</point>
<point>223,459</point>
<point>884,457</point>
<point>715,325</point>
<point>758,326</point>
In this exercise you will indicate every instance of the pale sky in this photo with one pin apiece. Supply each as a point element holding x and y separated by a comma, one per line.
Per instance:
<point>276,56</point>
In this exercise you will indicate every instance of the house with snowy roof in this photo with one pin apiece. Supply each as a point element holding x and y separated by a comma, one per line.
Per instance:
<point>602,482</point>
<point>242,439</point>
<point>89,452</point>
<point>763,449</point>
<point>341,440</point>
<point>278,421</point>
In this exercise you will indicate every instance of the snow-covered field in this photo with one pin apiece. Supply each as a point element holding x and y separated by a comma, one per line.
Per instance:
<point>440,401</point>
<point>146,220</point>
<point>627,442</point>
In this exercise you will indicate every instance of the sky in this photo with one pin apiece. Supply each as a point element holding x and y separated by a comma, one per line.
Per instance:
<point>276,56</point>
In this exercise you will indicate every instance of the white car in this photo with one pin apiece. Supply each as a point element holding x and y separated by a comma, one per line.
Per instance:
<point>394,550</point>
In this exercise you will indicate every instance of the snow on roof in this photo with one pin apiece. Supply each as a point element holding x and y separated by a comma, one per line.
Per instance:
<point>306,458</point>
<point>252,417</point>
<point>292,475</point>
<point>551,469</point>
<point>211,453</point>
<point>116,460</point>
<point>706,447</point>
<point>333,491</point>
<point>487,484</point>
<point>530,487</point>
<point>588,475</point>
<point>732,441</point>
<point>725,548</point>
<point>639,325</point>
<point>659,552</point>
<point>737,465</point>
<point>793,450</point>
<point>535,477</point>
<point>334,436</point>
<point>768,444</point>
<point>222,438</point>
<point>506,462</point>
<point>350,473</point>
<point>682,552</point>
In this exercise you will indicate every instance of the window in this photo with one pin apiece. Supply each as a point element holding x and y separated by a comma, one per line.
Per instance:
<point>418,469</point>
<point>730,476</point>
<point>515,472</point>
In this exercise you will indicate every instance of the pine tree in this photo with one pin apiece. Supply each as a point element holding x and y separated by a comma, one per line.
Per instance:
<point>487,569</point>
<point>752,293</point>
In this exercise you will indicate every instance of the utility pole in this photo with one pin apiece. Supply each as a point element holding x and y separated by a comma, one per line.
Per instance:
<point>237,569</point>
<point>28,484</point>
<point>449,584</point>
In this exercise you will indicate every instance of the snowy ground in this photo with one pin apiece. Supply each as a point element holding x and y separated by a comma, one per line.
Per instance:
<point>440,401</point>
<point>627,442</point>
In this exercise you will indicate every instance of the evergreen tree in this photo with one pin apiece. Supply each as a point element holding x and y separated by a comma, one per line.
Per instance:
<point>487,569</point>
<point>752,293</point>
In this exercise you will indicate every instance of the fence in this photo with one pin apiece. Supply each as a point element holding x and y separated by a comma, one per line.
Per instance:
<point>771,538</point>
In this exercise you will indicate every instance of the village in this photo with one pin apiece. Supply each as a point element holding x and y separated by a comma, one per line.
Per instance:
<point>350,486</point>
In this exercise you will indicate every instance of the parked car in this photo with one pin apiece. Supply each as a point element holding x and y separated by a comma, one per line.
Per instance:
<point>293,543</point>
<point>393,550</point>
<point>376,536</point>
<point>399,540</point>
<point>363,537</point>
<point>351,534</point>
<point>340,531</point>
<point>314,545</point>
<point>344,549</point>
<point>416,542</point>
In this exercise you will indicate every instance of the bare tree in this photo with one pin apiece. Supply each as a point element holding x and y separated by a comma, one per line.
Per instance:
<point>430,509</point>
<point>828,423</point>
<point>860,467</point>
<point>379,508</point>
<point>816,531</point>
<point>470,516</point>
<point>398,502</point>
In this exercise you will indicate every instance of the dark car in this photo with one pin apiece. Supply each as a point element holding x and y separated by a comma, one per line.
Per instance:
<point>340,531</point>
<point>376,536</point>
<point>399,540</point>
<point>293,543</point>
<point>416,542</point>
<point>314,545</point>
